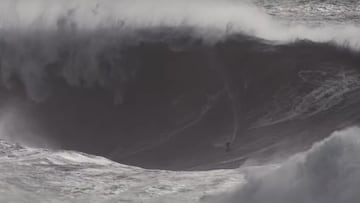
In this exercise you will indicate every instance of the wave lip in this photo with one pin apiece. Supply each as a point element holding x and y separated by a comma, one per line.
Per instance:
<point>212,20</point>
<point>81,37</point>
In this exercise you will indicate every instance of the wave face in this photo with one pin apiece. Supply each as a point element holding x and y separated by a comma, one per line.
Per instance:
<point>142,82</point>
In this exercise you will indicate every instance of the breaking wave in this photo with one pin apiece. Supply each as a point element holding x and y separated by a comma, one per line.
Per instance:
<point>81,37</point>
<point>138,82</point>
<point>184,71</point>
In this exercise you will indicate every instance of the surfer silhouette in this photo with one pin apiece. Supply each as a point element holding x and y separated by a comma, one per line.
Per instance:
<point>228,147</point>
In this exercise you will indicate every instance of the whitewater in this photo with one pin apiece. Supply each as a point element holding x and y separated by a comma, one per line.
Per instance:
<point>328,172</point>
<point>165,101</point>
<point>33,33</point>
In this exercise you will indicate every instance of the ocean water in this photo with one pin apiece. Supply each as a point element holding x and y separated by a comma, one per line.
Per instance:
<point>179,101</point>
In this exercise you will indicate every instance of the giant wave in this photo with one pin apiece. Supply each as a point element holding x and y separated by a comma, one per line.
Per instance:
<point>187,86</point>
<point>131,80</point>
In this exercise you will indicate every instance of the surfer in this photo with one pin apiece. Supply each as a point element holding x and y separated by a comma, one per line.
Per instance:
<point>228,147</point>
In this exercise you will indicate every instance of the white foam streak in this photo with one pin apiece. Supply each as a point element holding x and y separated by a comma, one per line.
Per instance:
<point>221,17</point>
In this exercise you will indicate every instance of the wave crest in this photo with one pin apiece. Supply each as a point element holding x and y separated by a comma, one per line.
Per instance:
<point>86,41</point>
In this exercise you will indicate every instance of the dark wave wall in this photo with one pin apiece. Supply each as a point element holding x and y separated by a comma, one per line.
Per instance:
<point>175,104</point>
